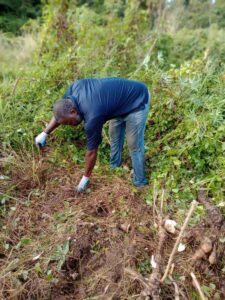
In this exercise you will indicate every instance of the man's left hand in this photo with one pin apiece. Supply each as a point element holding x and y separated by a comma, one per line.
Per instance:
<point>82,186</point>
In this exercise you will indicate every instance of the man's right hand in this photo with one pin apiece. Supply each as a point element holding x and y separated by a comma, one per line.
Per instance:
<point>40,140</point>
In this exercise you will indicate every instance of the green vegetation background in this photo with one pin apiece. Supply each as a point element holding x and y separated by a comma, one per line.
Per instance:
<point>176,48</point>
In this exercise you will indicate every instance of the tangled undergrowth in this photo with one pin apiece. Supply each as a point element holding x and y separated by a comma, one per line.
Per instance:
<point>104,244</point>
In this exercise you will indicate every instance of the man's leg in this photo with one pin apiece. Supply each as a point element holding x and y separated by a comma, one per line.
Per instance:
<point>117,134</point>
<point>135,128</point>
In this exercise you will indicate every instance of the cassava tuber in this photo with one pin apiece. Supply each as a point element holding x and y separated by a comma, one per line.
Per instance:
<point>205,247</point>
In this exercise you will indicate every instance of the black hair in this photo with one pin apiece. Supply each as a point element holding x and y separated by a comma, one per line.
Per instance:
<point>62,108</point>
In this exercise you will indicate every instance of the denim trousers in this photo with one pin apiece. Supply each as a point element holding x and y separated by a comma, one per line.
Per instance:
<point>134,127</point>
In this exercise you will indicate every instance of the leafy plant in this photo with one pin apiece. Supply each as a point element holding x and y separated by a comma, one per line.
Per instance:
<point>60,253</point>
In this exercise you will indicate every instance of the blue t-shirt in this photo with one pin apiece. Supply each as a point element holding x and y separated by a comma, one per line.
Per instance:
<point>99,100</point>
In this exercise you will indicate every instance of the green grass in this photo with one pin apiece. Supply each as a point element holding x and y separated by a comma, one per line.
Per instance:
<point>185,142</point>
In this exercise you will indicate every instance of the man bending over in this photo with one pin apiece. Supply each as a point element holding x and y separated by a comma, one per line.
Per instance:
<point>124,102</point>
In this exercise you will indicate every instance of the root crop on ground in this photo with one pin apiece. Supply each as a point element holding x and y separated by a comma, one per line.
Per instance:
<point>56,244</point>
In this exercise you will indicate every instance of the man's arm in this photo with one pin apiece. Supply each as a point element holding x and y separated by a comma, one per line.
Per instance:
<point>90,160</point>
<point>53,124</point>
<point>40,140</point>
<point>93,130</point>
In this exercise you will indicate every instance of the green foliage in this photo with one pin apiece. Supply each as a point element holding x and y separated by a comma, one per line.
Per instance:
<point>60,253</point>
<point>14,13</point>
<point>185,146</point>
<point>219,13</point>
<point>183,69</point>
<point>179,54</point>
<point>197,13</point>
<point>144,266</point>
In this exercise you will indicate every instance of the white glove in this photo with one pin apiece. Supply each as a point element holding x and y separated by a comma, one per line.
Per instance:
<point>82,185</point>
<point>40,140</point>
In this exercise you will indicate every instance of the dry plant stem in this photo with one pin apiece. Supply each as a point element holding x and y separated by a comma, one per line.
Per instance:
<point>197,286</point>
<point>134,275</point>
<point>14,87</point>
<point>154,279</point>
<point>175,288</point>
<point>171,269</point>
<point>105,135</point>
<point>152,285</point>
<point>176,291</point>
<point>183,297</point>
<point>162,201</point>
<point>192,208</point>
<point>148,54</point>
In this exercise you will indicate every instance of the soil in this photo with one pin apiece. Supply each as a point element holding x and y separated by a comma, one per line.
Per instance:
<point>109,228</point>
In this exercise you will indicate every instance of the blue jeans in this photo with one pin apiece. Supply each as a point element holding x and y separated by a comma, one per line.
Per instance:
<point>134,126</point>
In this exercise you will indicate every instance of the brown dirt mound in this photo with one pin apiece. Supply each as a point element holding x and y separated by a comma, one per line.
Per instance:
<point>57,244</point>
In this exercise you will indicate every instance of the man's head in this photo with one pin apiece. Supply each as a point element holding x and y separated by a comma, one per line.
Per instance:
<point>65,112</point>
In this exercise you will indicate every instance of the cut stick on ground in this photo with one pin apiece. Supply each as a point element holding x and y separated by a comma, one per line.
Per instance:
<point>152,284</point>
<point>197,286</point>
<point>134,275</point>
<point>154,280</point>
<point>192,208</point>
<point>176,296</point>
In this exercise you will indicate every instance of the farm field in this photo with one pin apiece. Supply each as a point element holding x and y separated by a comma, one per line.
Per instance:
<point>113,241</point>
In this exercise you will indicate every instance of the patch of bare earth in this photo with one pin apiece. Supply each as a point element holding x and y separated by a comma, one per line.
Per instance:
<point>110,237</point>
